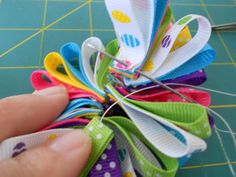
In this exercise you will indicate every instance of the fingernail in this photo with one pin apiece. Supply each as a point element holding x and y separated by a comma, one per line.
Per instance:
<point>51,91</point>
<point>70,141</point>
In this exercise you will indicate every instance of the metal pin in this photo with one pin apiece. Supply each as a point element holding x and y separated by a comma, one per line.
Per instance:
<point>148,77</point>
<point>167,87</point>
<point>107,54</point>
<point>225,26</point>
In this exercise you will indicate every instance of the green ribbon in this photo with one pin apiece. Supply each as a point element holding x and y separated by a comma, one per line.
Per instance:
<point>190,117</point>
<point>101,136</point>
<point>127,129</point>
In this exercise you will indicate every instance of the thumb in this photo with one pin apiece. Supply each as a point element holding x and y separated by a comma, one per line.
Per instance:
<point>64,157</point>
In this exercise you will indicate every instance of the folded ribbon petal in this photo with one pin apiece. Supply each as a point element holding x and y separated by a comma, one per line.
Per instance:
<point>41,79</point>
<point>145,158</point>
<point>159,118</point>
<point>53,61</point>
<point>155,95</point>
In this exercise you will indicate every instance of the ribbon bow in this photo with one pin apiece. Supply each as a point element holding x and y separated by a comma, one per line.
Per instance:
<point>153,132</point>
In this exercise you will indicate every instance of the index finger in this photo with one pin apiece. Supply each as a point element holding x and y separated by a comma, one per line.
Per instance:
<point>30,112</point>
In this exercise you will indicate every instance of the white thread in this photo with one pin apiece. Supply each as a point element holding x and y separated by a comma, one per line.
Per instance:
<point>100,125</point>
<point>203,88</point>
<point>226,124</point>
<point>230,131</point>
<point>118,101</point>
<point>223,131</point>
<point>225,153</point>
<point>210,90</point>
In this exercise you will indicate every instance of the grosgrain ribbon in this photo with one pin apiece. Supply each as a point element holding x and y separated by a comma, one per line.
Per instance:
<point>142,159</point>
<point>192,128</point>
<point>108,164</point>
<point>158,95</point>
<point>169,61</point>
<point>41,79</point>
<point>81,108</point>
<point>162,133</point>
<point>87,53</point>
<point>133,36</point>
<point>71,77</point>
<point>69,123</point>
<point>154,43</point>
<point>101,137</point>
<point>155,95</point>
<point>155,127</point>
<point>157,116</point>
<point>195,78</point>
<point>14,146</point>
<point>84,73</point>
<point>199,61</point>
<point>103,71</point>
<point>82,102</point>
<point>190,55</point>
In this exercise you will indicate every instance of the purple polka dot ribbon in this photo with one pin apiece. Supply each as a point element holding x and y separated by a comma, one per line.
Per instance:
<point>108,164</point>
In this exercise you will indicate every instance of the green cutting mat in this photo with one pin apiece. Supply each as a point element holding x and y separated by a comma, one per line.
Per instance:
<point>29,29</point>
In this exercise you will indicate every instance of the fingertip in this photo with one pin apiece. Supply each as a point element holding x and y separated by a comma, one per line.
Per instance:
<point>57,92</point>
<point>51,91</point>
<point>31,112</point>
<point>74,140</point>
<point>54,97</point>
<point>75,147</point>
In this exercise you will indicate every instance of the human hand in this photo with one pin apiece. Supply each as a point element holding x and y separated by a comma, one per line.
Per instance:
<point>64,157</point>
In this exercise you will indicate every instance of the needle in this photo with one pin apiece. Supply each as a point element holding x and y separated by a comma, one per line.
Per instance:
<point>225,26</point>
<point>167,87</point>
<point>146,76</point>
<point>107,54</point>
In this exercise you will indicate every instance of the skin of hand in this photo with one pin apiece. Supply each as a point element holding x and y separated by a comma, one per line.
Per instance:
<point>63,157</point>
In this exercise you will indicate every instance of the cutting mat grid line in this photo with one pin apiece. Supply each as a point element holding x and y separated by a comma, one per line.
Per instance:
<point>43,33</point>
<point>46,34</point>
<point>219,138</point>
<point>90,18</point>
<point>234,1</point>
<point>218,33</point>
<point>75,29</point>
<point>43,29</point>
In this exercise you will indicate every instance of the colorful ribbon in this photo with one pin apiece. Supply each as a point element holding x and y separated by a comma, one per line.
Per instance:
<point>162,131</point>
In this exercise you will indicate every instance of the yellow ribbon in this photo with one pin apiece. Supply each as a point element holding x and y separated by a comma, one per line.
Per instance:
<point>53,61</point>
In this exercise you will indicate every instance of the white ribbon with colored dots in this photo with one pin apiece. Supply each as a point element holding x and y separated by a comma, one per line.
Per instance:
<point>165,61</point>
<point>133,23</point>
